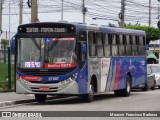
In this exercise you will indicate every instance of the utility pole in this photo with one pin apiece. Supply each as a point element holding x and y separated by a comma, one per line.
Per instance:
<point>84,10</point>
<point>62,12</point>
<point>149,22</point>
<point>158,9</point>
<point>34,11</point>
<point>122,13</point>
<point>9,21</point>
<point>1,3</point>
<point>21,12</point>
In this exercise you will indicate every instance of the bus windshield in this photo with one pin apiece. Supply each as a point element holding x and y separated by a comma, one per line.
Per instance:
<point>46,52</point>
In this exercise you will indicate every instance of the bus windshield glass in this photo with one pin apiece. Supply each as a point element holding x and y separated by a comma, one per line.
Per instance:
<point>39,53</point>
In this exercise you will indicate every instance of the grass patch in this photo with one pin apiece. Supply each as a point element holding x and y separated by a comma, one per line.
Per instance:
<point>4,75</point>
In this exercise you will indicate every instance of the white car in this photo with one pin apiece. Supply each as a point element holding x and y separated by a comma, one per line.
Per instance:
<point>155,69</point>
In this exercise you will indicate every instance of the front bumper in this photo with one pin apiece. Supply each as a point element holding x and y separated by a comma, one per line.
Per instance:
<point>53,88</point>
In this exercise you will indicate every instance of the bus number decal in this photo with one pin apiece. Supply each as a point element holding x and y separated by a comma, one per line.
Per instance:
<point>53,78</point>
<point>32,64</point>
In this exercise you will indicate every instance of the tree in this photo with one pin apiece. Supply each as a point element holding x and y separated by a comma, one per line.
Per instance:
<point>151,32</point>
<point>5,43</point>
<point>111,25</point>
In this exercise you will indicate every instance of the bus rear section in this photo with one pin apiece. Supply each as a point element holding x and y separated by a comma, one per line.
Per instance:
<point>117,60</point>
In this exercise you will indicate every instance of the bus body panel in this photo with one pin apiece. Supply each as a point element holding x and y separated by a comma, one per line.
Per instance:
<point>83,80</point>
<point>111,72</point>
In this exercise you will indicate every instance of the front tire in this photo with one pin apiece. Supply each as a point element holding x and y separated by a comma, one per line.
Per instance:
<point>40,98</point>
<point>145,87</point>
<point>90,96</point>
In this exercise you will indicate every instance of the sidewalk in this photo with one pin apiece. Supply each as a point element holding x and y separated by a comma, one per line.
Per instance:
<point>11,98</point>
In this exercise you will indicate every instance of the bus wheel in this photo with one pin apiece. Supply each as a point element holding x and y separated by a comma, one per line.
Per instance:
<point>40,98</point>
<point>124,92</point>
<point>145,87</point>
<point>90,96</point>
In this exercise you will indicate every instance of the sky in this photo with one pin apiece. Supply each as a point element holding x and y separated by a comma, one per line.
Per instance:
<point>136,11</point>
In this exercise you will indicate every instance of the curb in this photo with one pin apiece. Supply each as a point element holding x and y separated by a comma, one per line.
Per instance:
<point>3,91</point>
<point>6,103</point>
<point>10,103</point>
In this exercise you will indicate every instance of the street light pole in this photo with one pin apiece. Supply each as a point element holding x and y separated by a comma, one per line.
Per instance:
<point>149,22</point>
<point>9,20</point>
<point>62,12</point>
<point>34,11</point>
<point>21,12</point>
<point>1,2</point>
<point>158,24</point>
<point>84,10</point>
<point>121,14</point>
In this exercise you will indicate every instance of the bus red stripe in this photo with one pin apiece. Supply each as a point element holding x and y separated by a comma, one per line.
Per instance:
<point>117,76</point>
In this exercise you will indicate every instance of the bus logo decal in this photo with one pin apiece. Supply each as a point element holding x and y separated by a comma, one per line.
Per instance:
<point>48,40</point>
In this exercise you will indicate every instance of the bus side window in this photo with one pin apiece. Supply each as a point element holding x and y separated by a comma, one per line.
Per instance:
<point>134,45</point>
<point>114,50</point>
<point>121,39</point>
<point>106,43</point>
<point>141,47</point>
<point>91,37</point>
<point>114,40</point>
<point>92,46</point>
<point>128,45</point>
<point>114,45</point>
<point>106,38</point>
<point>141,40</point>
<point>99,38</point>
<point>107,50</point>
<point>83,36</point>
<point>121,46</point>
<point>83,39</point>
<point>99,45</point>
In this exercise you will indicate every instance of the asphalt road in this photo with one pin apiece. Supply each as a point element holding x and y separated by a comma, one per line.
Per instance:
<point>138,101</point>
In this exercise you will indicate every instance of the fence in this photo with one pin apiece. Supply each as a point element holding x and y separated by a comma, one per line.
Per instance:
<point>6,67</point>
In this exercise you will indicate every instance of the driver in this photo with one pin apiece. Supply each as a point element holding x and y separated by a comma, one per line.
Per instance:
<point>69,53</point>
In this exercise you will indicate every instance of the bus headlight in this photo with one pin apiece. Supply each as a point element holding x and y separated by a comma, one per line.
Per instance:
<point>69,80</point>
<point>23,81</point>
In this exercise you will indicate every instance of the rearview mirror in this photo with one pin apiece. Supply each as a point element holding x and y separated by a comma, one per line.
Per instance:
<point>12,45</point>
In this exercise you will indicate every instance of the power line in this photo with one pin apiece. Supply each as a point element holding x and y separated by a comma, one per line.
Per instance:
<point>96,8</point>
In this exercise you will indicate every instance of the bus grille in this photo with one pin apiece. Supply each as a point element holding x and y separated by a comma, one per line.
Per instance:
<point>45,72</point>
<point>42,82</point>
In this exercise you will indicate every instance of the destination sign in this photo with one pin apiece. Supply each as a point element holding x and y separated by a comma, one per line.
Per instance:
<point>45,30</point>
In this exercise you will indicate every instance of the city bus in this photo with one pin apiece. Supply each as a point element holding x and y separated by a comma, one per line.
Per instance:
<point>55,58</point>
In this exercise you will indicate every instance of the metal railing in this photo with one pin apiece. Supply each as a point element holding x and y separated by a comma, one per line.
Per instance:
<point>6,67</point>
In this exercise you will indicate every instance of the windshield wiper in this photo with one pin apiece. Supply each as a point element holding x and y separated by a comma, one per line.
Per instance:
<point>54,43</point>
<point>35,43</point>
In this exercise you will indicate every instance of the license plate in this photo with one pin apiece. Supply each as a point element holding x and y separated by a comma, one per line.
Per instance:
<point>43,88</point>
